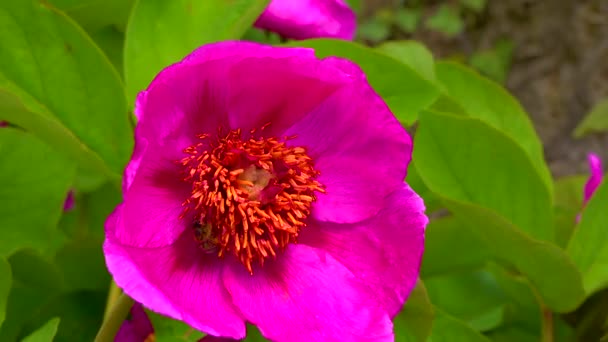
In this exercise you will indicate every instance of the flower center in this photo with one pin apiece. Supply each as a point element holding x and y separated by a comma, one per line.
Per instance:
<point>250,197</point>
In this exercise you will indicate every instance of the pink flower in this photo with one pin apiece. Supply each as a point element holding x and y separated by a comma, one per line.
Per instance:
<point>266,186</point>
<point>303,19</point>
<point>595,178</point>
<point>137,329</point>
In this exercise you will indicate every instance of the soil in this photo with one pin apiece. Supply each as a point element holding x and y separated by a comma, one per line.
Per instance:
<point>559,68</point>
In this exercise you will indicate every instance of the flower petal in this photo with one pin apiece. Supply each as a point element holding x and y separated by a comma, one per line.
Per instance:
<point>152,207</point>
<point>306,295</point>
<point>597,173</point>
<point>304,19</point>
<point>384,252</point>
<point>360,149</point>
<point>299,86</point>
<point>179,281</point>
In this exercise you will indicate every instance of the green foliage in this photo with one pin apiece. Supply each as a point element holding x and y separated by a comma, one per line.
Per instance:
<point>46,59</point>
<point>446,20</point>
<point>503,243</point>
<point>594,122</point>
<point>46,333</point>
<point>5,286</point>
<point>403,89</point>
<point>32,200</point>
<point>415,321</point>
<point>167,329</point>
<point>161,33</point>
<point>588,246</point>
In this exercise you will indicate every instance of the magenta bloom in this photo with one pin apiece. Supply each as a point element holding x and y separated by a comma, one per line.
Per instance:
<point>596,174</point>
<point>137,329</point>
<point>303,19</point>
<point>241,151</point>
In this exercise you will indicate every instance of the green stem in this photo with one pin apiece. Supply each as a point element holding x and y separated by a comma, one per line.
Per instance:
<point>113,295</point>
<point>547,332</point>
<point>117,316</point>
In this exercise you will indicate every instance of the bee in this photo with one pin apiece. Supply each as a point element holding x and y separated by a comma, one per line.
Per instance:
<point>203,234</point>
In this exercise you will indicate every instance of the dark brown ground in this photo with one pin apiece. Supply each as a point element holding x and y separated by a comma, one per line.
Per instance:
<point>559,68</point>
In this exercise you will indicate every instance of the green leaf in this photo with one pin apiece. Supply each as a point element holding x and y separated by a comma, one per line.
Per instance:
<point>485,100</point>
<point>450,248</point>
<point>462,158</point>
<point>167,329</point>
<point>474,297</point>
<point>407,19</point>
<point>46,333</point>
<point>446,20</point>
<point>80,312</point>
<point>111,41</point>
<point>449,329</point>
<point>494,62</point>
<point>36,179</point>
<point>568,201</point>
<point>415,182</point>
<point>552,272</point>
<point>414,322</point>
<point>161,33</point>
<point>254,334</point>
<point>588,246</point>
<point>56,83</point>
<point>96,14</point>
<point>403,89</point>
<point>594,122</point>
<point>475,5</point>
<point>414,55</point>
<point>374,30</point>
<point>83,265</point>
<point>5,287</point>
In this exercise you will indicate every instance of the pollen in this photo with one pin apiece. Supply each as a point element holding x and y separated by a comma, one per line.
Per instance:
<point>251,196</point>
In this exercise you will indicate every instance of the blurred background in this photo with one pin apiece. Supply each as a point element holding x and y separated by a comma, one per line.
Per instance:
<point>551,54</point>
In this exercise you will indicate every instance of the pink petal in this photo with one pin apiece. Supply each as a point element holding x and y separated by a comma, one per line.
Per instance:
<point>359,147</point>
<point>305,19</point>
<point>212,88</point>
<point>384,252</point>
<point>179,281</point>
<point>137,329</point>
<point>151,208</point>
<point>298,87</point>
<point>69,201</point>
<point>306,295</point>
<point>597,173</point>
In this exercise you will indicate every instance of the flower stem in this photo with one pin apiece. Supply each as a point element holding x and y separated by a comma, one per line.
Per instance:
<point>114,320</point>
<point>547,332</point>
<point>113,294</point>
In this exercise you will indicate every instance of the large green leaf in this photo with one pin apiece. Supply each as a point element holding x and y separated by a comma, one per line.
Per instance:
<point>403,89</point>
<point>474,297</point>
<point>568,201</point>
<point>5,286</point>
<point>414,322</point>
<point>588,246</point>
<point>546,266</point>
<point>449,329</point>
<point>449,248</point>
<point>96,14</point>
<point>46,333</point>
<point>161,33</point>
<point>56,83</point>
<point>35,181</point>
<point>414,54</point>
<point>467,160</point>
<point>80,313</point>
<point>485,100</point>
<point>595,121</point>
